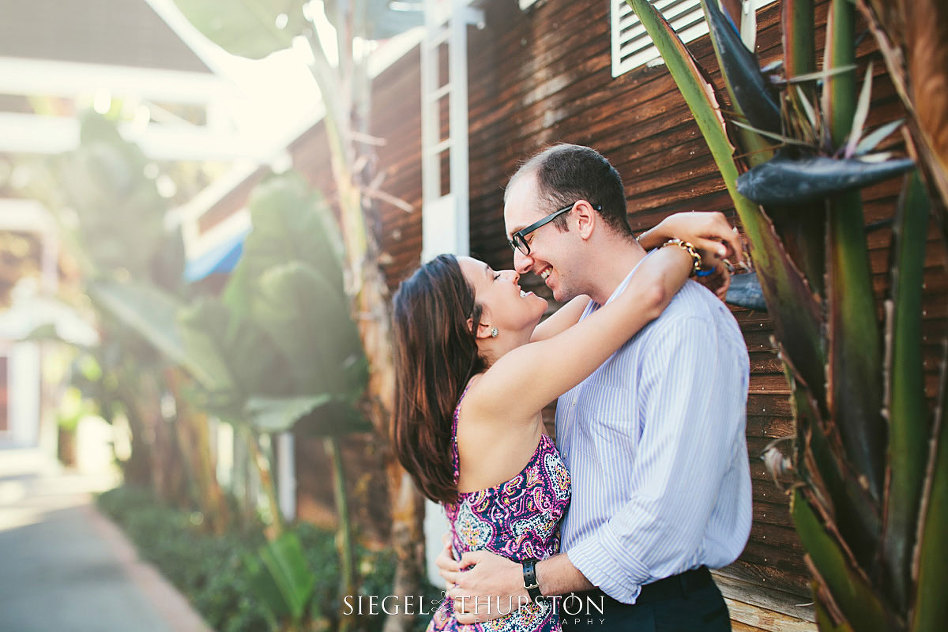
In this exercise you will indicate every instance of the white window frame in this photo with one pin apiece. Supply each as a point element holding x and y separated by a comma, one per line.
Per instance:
<point>631,46</point>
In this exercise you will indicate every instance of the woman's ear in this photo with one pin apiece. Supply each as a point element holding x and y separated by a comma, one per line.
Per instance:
<point>483,327</point>
<point>483,331</point>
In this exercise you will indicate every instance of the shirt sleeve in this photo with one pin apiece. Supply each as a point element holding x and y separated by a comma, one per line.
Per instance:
<point>692,388</point>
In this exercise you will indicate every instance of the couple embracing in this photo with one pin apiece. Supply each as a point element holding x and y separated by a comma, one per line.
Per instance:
<point>648,484</point>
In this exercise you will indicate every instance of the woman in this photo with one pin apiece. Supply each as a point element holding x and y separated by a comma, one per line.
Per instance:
<point>472,361</point>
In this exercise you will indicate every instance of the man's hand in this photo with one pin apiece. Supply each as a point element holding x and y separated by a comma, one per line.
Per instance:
<point>486,587</point>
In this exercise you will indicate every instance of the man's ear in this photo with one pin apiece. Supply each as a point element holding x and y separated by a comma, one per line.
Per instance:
<point>586,218</point>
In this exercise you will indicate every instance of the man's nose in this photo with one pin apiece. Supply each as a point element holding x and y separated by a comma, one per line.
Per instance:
<point>522,262</point>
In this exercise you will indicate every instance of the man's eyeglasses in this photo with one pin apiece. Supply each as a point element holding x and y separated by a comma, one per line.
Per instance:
<point>518,240</point>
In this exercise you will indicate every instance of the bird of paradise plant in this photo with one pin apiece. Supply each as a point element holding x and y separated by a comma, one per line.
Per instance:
<point>869,454</point>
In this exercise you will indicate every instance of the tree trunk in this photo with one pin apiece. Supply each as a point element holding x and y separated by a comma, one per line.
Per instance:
<point>195,445</point>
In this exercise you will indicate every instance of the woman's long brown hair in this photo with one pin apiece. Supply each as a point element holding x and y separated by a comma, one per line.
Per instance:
<point>435,356</point>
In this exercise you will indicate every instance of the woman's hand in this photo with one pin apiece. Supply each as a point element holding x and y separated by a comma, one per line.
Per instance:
<point>447,565</point>
<point>707,231</point>
<point>716,273</point>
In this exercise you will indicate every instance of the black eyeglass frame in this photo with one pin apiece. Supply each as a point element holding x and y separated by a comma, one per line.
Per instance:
<point>518,240</point>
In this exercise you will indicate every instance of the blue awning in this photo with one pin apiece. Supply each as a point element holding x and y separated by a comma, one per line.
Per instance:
<point>220,259</point>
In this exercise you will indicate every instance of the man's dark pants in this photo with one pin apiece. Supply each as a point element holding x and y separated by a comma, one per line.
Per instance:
<point>689,602</point>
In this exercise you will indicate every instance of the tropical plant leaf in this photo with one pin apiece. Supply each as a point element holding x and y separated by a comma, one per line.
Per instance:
<point>930,611</point>
<point>749,89</point>
<point>807,107</point>
<point>290,223</point>
<point>788,297</point>
<point>909,427</point>
<point>839,91</point>
<point>309,320</point>
<point>820,462</point>
<point>855,361</point>
<point>821,75</point>
<point>850,590</point>
<point>119,210</point>
<point>309,416</point>
<point>873,138</point>
<point>248,362</point>
<point>286,563</point>
<point>152,314</point>
<point>859,118</point>
<point>271,415</point>
<point>854,378</point>
<point>248,28</point>
<point>786,180</point>
<point>786,140</point>
<point>799,45</point>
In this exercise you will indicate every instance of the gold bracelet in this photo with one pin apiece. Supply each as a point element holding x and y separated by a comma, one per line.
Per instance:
<point>690,249</point>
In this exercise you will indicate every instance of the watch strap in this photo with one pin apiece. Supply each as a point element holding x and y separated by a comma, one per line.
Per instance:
<point>530,579</point>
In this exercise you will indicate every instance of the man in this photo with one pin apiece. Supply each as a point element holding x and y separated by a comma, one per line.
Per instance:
<point>654,439</point>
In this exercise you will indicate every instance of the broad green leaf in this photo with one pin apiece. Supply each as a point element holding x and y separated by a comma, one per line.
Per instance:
<point>855,359</point>
<point>930,612</point>
<point>248,362</point>
<point>119,210</point>
<point>308,318</point>
<point>796,17</point>
<point>271,415</point>
<point>822,468</point>
<point>839,91</point>
<point>152,314</point>
<point>285,562</point>
<point>315,416</point>
<point>909,427</point>
<point>850,590</point>
<point>248,28</point>
<point>290,223</point>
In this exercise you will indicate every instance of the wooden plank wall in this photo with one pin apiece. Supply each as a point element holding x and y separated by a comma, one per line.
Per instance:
<point>544,76</point>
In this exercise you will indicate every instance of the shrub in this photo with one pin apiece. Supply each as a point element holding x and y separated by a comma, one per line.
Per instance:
<point>212,573</point>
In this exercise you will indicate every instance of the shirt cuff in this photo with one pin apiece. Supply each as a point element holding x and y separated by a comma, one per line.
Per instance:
<point>603,560</point>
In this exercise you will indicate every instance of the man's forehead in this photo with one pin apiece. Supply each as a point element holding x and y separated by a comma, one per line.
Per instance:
<point>520,205</point>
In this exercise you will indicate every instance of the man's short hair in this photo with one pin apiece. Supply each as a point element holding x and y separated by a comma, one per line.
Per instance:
<point>569,173</point>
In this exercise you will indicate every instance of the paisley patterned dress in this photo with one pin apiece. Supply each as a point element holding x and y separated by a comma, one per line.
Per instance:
<point>518,519</point>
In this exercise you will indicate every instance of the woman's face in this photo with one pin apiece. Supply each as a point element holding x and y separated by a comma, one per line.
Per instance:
<point>505,305</point>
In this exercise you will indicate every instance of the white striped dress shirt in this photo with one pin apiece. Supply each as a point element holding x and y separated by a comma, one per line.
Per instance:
<point>654,441</point>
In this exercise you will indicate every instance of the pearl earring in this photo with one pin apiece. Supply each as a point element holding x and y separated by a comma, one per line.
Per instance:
<point>493,332</point>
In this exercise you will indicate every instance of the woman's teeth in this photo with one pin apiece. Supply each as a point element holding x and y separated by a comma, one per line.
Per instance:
<point>523,294</point>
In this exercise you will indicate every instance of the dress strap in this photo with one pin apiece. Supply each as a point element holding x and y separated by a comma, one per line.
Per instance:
<point>455,458</point>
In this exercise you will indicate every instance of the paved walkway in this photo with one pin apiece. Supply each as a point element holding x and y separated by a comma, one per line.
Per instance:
<point>64,567</point>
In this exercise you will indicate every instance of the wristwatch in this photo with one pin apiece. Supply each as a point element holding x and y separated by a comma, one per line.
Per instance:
<point>530,579</point>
